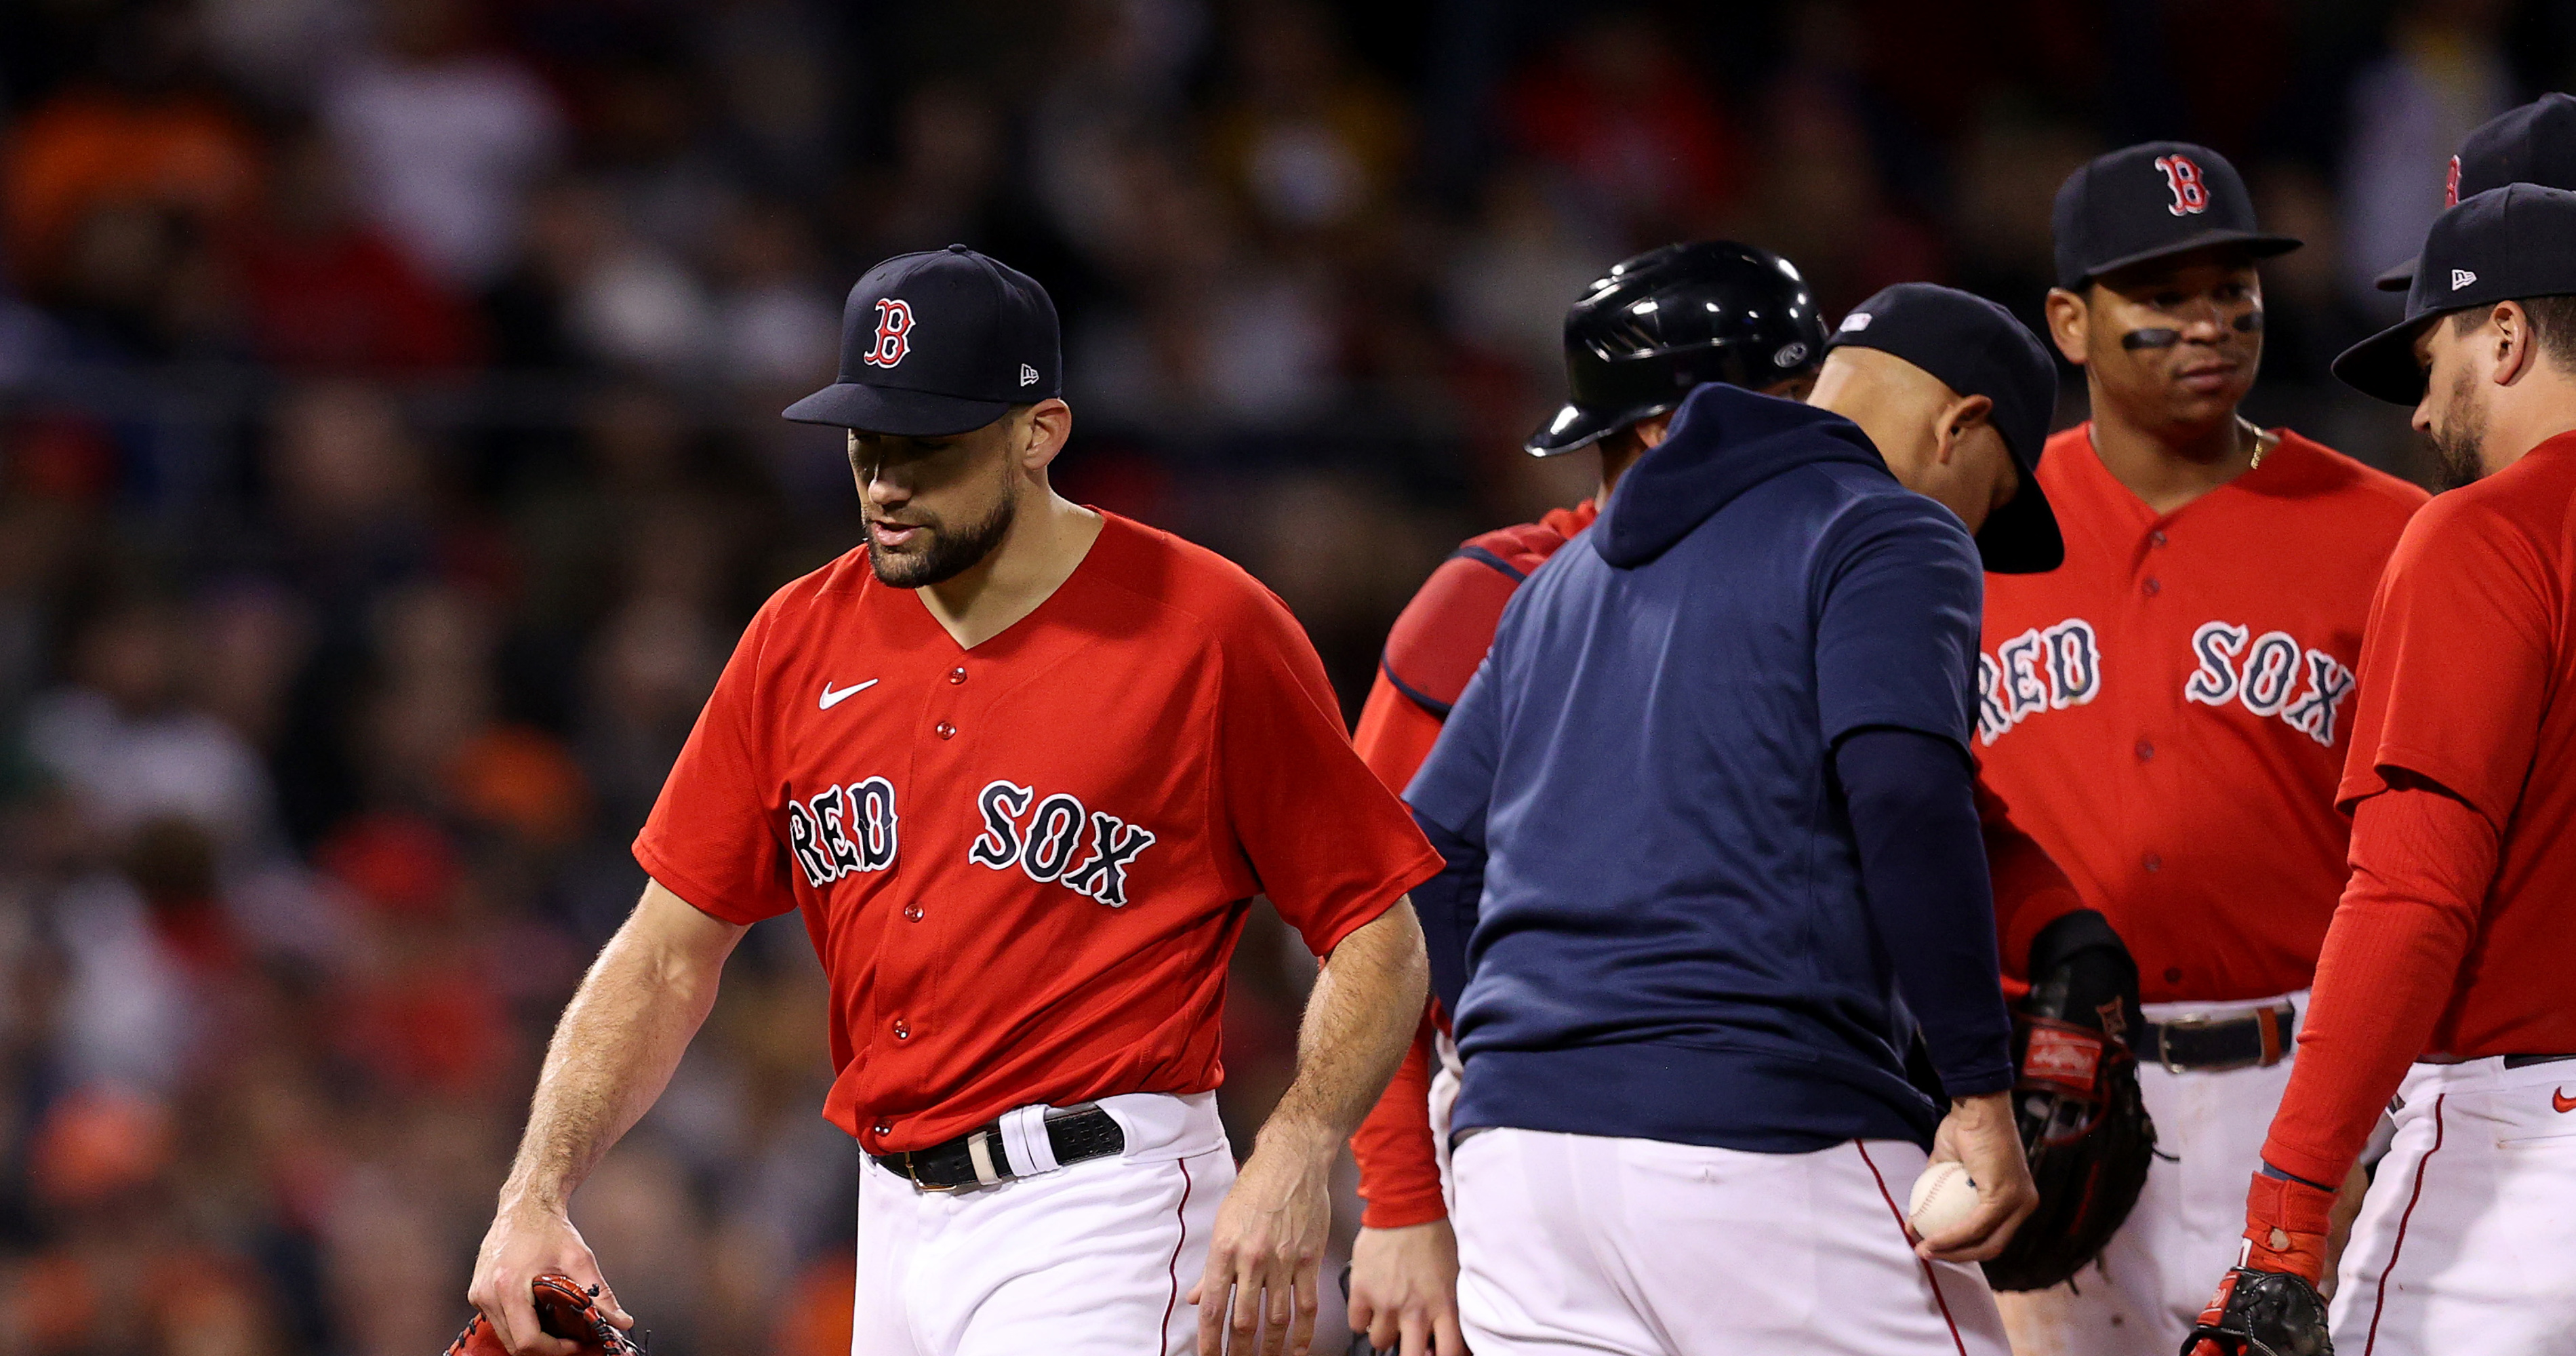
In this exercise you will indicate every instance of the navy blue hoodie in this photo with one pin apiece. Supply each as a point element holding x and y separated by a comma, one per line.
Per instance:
<point>1672,940</point>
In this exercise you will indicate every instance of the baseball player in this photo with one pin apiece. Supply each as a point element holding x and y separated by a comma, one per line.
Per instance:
<point>2451,945</point>
<point>1753,306</point>
<point>1021,765</point>
<point>1714,858</point>
<point>2168,711</point>
<point>2532,144</point>
<point>1719,311</point>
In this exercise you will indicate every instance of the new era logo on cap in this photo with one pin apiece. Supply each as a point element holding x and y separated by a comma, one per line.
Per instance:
<point>1857,320</point>
<point>2461,277</point>
<point>1028,375</point>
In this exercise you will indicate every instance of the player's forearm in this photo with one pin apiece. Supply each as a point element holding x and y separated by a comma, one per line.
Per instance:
<point>1924,877</point>
<point>617,1044</point>
<point>2421,863</point>
<point>1366,1005</point>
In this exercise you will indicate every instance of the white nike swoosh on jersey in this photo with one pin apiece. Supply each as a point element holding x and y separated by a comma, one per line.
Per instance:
<point>832,699</point>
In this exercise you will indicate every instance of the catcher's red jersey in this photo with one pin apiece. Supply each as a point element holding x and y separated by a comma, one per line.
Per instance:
<point>2468,677</point>
<point>1024,864</point>
<point>2168,711</point>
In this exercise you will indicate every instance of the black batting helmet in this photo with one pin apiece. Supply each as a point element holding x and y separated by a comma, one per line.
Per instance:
<point>1674,318</point>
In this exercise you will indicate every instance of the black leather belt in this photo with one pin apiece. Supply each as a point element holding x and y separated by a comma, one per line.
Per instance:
<point>2526,1061</point>
<point>2246,1040</point>
<point>1075,1133</point>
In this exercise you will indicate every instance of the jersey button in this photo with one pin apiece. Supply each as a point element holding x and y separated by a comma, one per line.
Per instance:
<point>957,674</point>
<point>944,730</point>
<point>901,1031</point>
<point>2145,750</point>
<point>2157,536</point>
<point>2154,587</point>
<point>2173,974</point>
<point>913,912</point>
<point>883,1127</point>
<point>2153,862</point>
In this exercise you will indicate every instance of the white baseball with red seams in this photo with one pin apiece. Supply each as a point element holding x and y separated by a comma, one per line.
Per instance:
<point>1943,1198</point>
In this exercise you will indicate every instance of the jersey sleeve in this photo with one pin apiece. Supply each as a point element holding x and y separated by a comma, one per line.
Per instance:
<point>1437,641</point>
<point>710,839</point>
<point>2031,891</point>
<point>1896,628</point>
<point>1330,845</point>
<point>2456,662</point>
<point>1399,1164</point>
<point>1395,733</point>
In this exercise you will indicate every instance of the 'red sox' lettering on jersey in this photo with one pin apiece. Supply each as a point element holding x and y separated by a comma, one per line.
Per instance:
<point>2052,668</point>
<point>843,830</point>
<point>1045,843</point>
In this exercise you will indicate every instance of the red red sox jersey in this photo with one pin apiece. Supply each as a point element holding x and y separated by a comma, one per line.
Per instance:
<point>1024,864</point>
<point>2168,712</point>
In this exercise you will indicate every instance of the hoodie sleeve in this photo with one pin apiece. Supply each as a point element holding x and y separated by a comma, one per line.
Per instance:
<point>1900,593</point>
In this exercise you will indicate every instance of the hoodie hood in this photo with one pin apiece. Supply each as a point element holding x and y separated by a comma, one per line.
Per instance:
<point>1725,441</point>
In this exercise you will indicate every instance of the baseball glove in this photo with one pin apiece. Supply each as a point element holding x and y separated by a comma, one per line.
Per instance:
<point>2261,1313</point>
<point>2084,1125</point>
<point>565,1310</point>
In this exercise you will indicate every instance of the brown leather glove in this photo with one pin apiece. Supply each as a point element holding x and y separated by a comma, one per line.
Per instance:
<point>564,1309</point>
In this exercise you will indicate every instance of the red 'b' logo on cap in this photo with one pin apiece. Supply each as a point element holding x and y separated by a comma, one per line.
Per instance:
<point>2451,187</point>
<point>894,333</point>
<point>2182,177</point>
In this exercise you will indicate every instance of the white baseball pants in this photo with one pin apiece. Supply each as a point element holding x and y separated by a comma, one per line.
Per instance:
<point>1088,1260</point>
<point>1581,1244</point>
<point>2467,1240</point>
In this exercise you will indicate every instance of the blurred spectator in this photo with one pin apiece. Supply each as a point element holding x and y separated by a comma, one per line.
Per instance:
<point>2444,73</point>
<point>1620,113</point>
<point>138,139</point>
<point>128,749</point>
<point>445,137</point>
<point>1306,139</point>
<point>328,292</point>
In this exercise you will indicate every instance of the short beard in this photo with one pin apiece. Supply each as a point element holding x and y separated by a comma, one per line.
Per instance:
<point>949,555</point>
<point>2456,444</point>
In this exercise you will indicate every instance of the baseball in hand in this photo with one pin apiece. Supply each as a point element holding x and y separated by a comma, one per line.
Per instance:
<point>1943,1199</point>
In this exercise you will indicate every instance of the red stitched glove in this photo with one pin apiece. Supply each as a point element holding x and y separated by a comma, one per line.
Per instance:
<point>565,1310</point>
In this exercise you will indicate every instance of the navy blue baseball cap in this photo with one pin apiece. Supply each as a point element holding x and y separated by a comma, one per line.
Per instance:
<point>938,343</point>
<point>2502,245</point>
<point>1976,347</point>
<point>2533,144</point>
<point>2147,201</point>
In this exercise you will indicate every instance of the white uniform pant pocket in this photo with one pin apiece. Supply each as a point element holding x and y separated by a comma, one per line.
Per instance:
<point>1578,1243</point>
<point>2467,1240</point>
<point>1090,1260</point>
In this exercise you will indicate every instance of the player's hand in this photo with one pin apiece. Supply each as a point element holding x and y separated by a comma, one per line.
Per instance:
<point>1268,1249</point>
<point>1979,1134</point>
<point>525,1242</point>
<point>1404,1289</point>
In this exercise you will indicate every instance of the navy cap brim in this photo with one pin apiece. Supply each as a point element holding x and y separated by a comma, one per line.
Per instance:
<point>2383,366</point>
<point>2022,536</point>
<point>2255,243</point>
<point>1575,428</point>
<point>2397,279</point>
<point>887,409</point>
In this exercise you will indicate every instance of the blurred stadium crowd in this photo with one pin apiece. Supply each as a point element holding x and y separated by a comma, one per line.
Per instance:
<point>389,455</point>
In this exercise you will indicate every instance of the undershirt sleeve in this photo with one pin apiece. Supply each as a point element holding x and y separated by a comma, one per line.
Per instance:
<point>2422,859</point>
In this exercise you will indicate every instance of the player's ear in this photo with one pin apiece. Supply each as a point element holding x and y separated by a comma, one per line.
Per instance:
<point>1048,424</point>
<point>2069,323</point>
<point>1960,418</point>
<point>2514,345</point>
